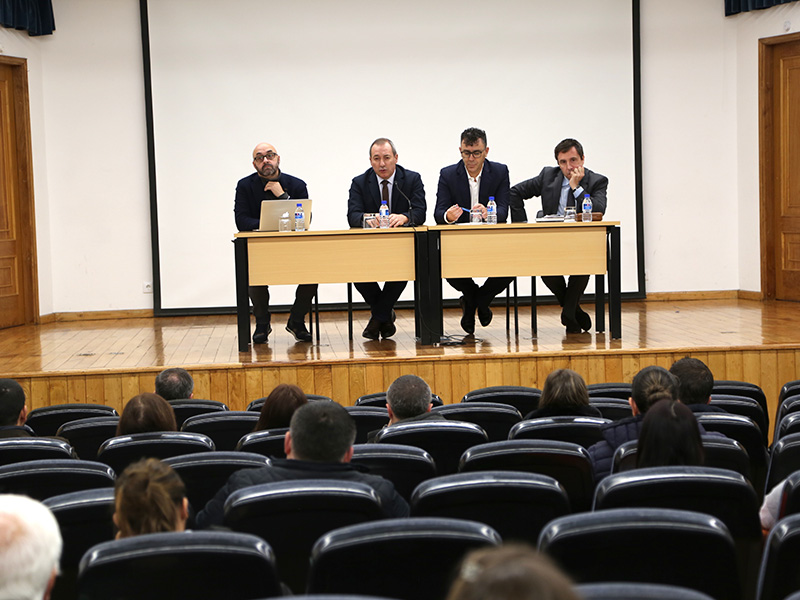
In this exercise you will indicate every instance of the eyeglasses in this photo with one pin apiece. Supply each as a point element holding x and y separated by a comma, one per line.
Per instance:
<point>474,153</point>
<point>268,156</point>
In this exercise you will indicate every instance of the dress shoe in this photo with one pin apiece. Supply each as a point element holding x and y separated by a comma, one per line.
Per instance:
<point>373,329</point>
<point>484,315</point>
<point>583,319</point>
<point>388,329</point>
<point>261,333</point>
<point>570,323</point>
<point>467,315</point>
<point>298,330</point>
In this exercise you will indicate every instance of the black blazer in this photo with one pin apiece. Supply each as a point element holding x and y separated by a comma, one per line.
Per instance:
<point>365,197</point>
<point>454,189</point>
<point>547,184</point>
<point>250,193</point>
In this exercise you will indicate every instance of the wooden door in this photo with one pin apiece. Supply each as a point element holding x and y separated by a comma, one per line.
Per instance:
<point>18,302</point>
<point>780,167</point>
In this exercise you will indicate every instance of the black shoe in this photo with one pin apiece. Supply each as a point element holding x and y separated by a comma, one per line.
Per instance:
<point>298,330</point>
<point>583,319</point>
<point>373,329</point>
<point>388,329</point>
<point>467,315</point>
<point>484,315</point>
<point>261,333</point>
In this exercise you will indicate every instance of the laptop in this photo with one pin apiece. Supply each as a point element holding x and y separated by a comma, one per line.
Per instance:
<point>272,211</point>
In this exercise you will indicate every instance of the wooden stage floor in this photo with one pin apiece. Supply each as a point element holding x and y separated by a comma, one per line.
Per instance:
<point>109,361</point>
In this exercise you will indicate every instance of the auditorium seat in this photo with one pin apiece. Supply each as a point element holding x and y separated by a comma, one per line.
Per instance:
<point>789,389</point>
<point>745,406</point>
<point>204,473</point>
<point>784,460</point>
<point>120,451</point>
<point>46,420</point>
<point>224,428</point>
<point>524,399</point>
<point>201,565</point>
<point>190,407</point>
<point>643,545</point>
<point>637,591</point>
<point>612,408</point>
<point>609,390</point>
<point>516,505</point>
<point>567,463</point>
<point>494,418</point>
<point>742,388</point>
<point>789,406</point>
<point>292,515</point>
<point>87,435</point>
<point>368,419</point>
<point>379,399</point>
<point>42,479</point>
<point>446,441</point>
<point>584,431</point>
<point>256,404</point>
<point>413,558</point>
<point>779,576</point>
<point>405,466</point>
<point>14,450</point>
<point>790,496</point>
<point>267,443</point>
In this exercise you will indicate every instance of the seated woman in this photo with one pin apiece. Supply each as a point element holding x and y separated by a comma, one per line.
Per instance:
<point>669,436</point>
<point>149,497</point>
<point>564,394</point>
<point>279,407</point>
<point>145,413</point>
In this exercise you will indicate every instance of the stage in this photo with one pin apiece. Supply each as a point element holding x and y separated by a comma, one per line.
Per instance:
<point>109,361</point>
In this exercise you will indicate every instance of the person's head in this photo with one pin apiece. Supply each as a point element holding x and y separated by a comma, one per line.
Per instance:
<point>279,406</point>
<point>473,149</point>
<point>149,497</point>
<point>383,157</point>
<point>30,548</point>
<point>510,572</point>
<point>564,388</point>
<point>12,403</point>
<point>669,436</point>
<point>695,381</point>
<point>321,432</point>
<point>408,396</point>
<point>145,413</point>
<point>569,156</point>
<point>650,385</point>
<point>267,161</point>
<point>174,384</point>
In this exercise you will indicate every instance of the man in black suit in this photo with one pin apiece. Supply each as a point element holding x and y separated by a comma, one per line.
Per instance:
<point>561,187</point>
<point>13,410</point>
<point>270,183</point>
<point>465,185</point>
<point>405,195</point>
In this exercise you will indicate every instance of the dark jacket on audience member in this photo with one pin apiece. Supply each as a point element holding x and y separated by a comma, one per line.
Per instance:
<point>286,470</point>
<point>706,408</point>
<point>15,431</point>
<point>426,416</point>
<point>564,411</point>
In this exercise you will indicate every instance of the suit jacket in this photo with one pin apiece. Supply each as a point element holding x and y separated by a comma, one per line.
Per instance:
<point>454,189</point>
<point>365,197</point>
<point>250,193</point>
<point>547,184</point>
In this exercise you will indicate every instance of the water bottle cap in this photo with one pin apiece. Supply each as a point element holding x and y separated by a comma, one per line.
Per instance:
<point>491,198</point>
<point>586,196</point>
<point>299,205</point>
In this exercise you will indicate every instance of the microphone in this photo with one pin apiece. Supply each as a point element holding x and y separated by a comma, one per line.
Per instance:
<point>410,204</point>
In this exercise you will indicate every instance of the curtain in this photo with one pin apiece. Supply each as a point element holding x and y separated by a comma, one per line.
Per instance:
<point>733,7</point>
<point>35,16</point>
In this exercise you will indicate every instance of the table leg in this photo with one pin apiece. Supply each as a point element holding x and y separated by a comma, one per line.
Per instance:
<point>242,296</point>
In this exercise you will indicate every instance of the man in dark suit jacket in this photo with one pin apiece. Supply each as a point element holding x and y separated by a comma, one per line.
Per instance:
<point>405,196</point>
<point>13,410</point>
<point>561,187</point>
<point>465,185</point>
<point>270,183</point>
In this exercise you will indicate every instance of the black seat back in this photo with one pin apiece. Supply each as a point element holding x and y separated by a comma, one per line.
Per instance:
<point>190,407</point>
<point>267,443</point>
<point>120,451</point>
<point>224,428</point>
<point>747,433</point>
<point>405,466</point>
<point>87,435</point>
<point>784,460</point>
<point>15,450</point>
<point>745,406</point>
<point>494,418</point>
<point>379,399</point>
<point>609,390</point>
<point>46,420</point>
<point>637,591</point>
<point>524,399</point>
<point>368,419</point>
<point>612,408</point>
<point>779,575</point>
<point>42,479</point>
<point>584,431</point>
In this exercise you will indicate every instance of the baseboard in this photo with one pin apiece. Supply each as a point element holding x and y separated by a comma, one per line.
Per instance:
<point>98,315</point>
<point>707,295</point>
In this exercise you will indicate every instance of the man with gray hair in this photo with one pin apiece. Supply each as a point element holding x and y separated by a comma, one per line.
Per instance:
<point>30,548</point>
<point>13,410</point>
<point>174,384</point>
<point>408,399</point>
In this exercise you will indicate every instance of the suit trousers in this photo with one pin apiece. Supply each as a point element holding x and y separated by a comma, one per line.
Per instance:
<point>567,294</point>
<point>381,301</point>
<point>483,295</point>
<point>259,295</point>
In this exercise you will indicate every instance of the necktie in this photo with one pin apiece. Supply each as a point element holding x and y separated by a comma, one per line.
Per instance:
<point>385,193</point>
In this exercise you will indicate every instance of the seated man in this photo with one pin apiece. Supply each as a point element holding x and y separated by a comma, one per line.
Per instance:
<point>408,399</point>
<point>696,382</point>
<point>404,193</point>
<point>13,410</point>
<point>270,183</point>
<point>175,384</point>
<point>463,186</point>
<point>318,445</point>
<point>561,187</point>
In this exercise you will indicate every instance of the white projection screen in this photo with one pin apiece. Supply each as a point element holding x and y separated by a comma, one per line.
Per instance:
<point>320,80</point>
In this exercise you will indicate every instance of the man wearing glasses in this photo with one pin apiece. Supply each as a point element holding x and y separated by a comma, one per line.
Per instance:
<point>464,186</point>
<point>270,183</point>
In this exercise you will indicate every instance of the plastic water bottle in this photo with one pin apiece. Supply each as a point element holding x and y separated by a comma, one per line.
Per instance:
<point>491,211</point>
<point>586,217</point>
<point>299,218</point>
<point>383,215</point>
<point>475,215</point>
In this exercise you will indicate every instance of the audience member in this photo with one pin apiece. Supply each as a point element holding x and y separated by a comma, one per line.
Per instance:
<point>770,511</point>
<point>408,399</point>
<point>318,445</point>
<point>670,436</point>
<point>174,384</point>
<point>279,406</point>
<point>564,394</point>
<point>145,413</point>
<point>149,497</point>
<point>695,384</point>
<point>510,572</point>
<point>30,548</point>
<point>650,385</point>
<point>13,410</point>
